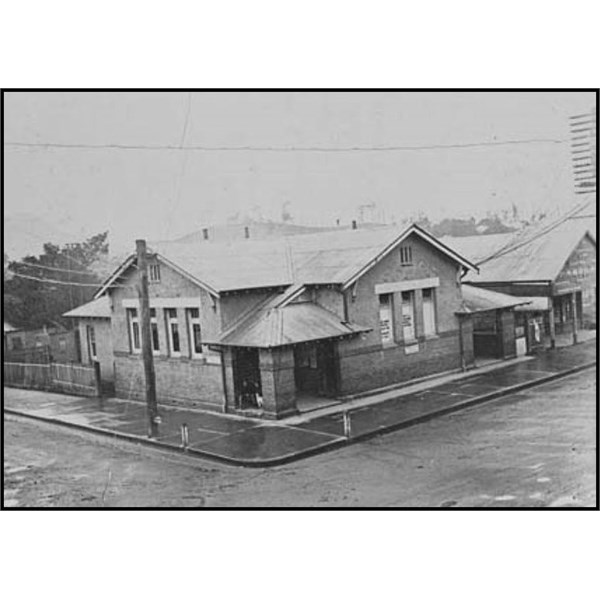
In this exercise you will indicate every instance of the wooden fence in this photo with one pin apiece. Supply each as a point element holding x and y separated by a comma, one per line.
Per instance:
<point>71,378</point>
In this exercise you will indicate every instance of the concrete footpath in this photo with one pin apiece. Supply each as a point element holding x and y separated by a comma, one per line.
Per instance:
<point>255,443</point>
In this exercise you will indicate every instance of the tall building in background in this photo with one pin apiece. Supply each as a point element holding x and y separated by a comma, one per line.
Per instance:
<point>583,149</point>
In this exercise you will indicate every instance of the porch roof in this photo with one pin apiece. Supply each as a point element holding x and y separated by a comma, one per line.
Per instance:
<point>289,324</point>
<point>476,299</point>
<point>98,309</point>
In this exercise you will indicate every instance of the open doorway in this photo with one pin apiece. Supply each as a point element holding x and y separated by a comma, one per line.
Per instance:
<point>246,379</point>
<point>315,370</point>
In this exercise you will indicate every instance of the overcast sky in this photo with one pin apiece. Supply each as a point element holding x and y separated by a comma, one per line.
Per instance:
<point>166,193</point>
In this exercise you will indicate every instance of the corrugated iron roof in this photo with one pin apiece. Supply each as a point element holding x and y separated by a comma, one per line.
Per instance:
<point>332,257</point>
<point>536,255</point>
<point>98,309</point>
<point>289,324</point>
<point>477,247</point>
<point>539,303</point>
<point>477,299</point>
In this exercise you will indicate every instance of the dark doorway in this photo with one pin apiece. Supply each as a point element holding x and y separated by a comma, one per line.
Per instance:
<point>246,377</point>
<point>315,369</point>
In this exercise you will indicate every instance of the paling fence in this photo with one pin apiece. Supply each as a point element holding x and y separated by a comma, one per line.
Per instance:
<point>77,379</point>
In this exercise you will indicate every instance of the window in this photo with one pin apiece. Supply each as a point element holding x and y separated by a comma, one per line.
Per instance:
<point>429,324</point>
<point>386,318</point>
<point>154,331</point>
<point>154,272</point>
<point>406,255</point>
<point>173,331</point>
<point>134,330</point>
<point>195,332</point>
<point>91,340</point>
<point>408,315</point>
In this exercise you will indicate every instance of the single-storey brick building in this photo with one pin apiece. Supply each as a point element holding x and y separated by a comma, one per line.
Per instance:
<point>272,325</point>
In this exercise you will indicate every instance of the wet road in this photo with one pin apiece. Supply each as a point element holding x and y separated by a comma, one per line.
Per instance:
<point>536,448</point>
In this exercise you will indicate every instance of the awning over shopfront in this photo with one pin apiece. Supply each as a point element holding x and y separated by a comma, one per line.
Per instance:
<point>476,299</point>
<point>290,324</point>
<point>536,304</point>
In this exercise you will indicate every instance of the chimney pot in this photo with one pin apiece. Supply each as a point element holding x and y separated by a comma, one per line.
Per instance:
<point>246,232</point>
<point>205,233</point>
<point>353,224</point>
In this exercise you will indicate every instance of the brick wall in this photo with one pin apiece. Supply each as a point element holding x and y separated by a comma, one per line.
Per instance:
<point>365,362</point>
<point>180,380</point>
<point>369,368</point>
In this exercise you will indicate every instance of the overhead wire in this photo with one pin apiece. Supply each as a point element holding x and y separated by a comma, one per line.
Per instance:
<point>69,283</point>
<point>511,247</point>
<point>181,147</point>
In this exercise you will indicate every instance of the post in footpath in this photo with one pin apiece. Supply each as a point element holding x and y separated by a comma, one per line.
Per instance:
<point>149,376</point>
<point>347,425</point>
<point>574,313</point>
<point>185,438</point>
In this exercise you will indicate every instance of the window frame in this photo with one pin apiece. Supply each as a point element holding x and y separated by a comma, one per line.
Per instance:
<point>91,340</point>
<point>170,322</point>
<point>154,272</point>
<point>433,303</point>
<point>154,331</point>
<point>413,337</point>
<point>390,307</point>
<point>133,319</point>
<point>191,322</point>
<point>406,256</point>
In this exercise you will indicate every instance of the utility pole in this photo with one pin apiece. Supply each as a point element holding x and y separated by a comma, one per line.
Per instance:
<point>149,377</point>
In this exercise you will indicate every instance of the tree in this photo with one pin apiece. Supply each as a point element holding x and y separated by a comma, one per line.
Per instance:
<point>40,289</point>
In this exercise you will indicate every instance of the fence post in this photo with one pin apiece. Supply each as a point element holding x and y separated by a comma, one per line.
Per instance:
<point>185,440</point>
<point>347,425</point>
<point>97,379</point>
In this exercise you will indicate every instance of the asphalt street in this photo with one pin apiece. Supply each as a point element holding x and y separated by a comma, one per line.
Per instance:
<point>532,449</point>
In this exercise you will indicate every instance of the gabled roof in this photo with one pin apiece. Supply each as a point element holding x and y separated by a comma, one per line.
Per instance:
<point>98,308</point>
<point>477,247</point>
<point>334,257</point>
<point>477,299</point>
<point>534,256</point>
<point>289,324</point>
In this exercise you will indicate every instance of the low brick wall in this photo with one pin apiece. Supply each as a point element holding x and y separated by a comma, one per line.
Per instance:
<point>375,367</point>
<point>179,381</point>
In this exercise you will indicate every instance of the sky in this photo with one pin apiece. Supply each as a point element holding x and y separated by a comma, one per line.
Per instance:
<point>258,152</point>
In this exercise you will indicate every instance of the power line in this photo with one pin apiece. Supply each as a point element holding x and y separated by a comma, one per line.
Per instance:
<point>69,283</point>
<point>34,266</point>
<point>510,247</point>
<point>51,145</point>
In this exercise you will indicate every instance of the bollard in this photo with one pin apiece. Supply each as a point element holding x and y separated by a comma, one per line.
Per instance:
<point>347,425</point>
<point>185,440</point>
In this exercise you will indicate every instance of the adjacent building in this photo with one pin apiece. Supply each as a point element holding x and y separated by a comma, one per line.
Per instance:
<point>94,335</point>
<point>551,265</point>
